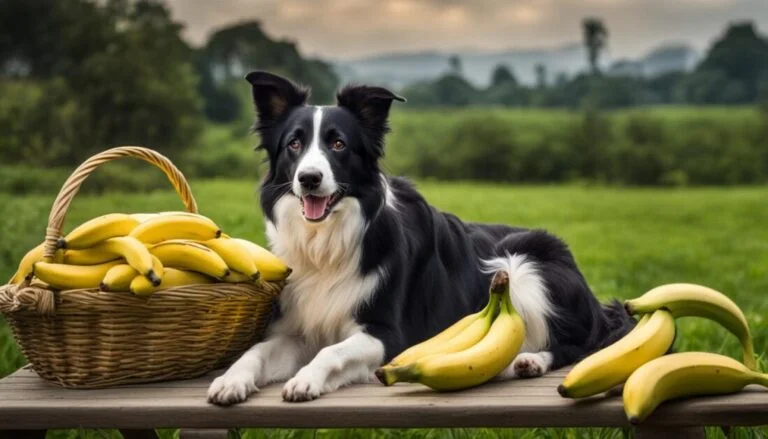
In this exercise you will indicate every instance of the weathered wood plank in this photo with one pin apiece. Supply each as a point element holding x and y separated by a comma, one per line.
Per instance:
<point>28,402</point>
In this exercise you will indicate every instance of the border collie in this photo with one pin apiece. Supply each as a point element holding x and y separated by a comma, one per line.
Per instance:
<point>376,269</point>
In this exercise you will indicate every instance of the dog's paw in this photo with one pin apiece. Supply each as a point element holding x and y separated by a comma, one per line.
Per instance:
<point>305,386</point>
<point>528,365</point>
<point>231,389</point>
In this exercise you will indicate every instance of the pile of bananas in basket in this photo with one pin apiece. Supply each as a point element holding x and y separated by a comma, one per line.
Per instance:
<point>468,353</point>
<point>143,253</point>
<point>650,377</point>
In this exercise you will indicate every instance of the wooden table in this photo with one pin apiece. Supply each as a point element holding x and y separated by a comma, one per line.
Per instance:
<point>28,403</point>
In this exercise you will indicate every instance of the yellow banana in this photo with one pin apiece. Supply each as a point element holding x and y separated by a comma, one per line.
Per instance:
<point>25,266</point>
<point>171,278</point>
<point>90,256</point>
<point>175,226</point>
<point>141,217</point>
<point>684,374</point>
<point>71,277</point>
<point>237,277</point>
<point>612,365</point>
<point>119,277</point>
<point>691,300</point>
<point>459,336</point>
<point>270,266</point>
<point>188,255</point>
<point>235,254</point>
<point>99,229</point>
<point>134,252</point>
<point>475,365</point>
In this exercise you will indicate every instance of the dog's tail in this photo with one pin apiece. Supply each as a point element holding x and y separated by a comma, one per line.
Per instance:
<point>529,296</point>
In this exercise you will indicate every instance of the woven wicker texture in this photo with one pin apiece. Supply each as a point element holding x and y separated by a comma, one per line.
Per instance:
<point>88,338</point>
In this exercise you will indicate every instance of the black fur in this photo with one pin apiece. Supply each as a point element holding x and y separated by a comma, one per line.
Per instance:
<point>431,259</point>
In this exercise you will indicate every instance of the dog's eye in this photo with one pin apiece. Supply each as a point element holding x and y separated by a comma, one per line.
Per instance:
<point>338,145</point>
<point>295,144</point>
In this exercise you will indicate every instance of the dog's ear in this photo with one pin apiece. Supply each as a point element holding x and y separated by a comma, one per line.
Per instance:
<point>274,95</point>
<point>371,106</point>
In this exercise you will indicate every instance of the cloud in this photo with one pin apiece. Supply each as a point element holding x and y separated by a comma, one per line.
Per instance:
<point>351,28</point>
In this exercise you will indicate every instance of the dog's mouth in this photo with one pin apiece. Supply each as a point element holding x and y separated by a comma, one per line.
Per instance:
<point>317,208</point>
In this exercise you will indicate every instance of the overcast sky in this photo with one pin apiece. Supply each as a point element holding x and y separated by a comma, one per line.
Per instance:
<point>342,29</point>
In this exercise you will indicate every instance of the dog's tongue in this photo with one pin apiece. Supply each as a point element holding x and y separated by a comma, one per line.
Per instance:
<point>314,207</point>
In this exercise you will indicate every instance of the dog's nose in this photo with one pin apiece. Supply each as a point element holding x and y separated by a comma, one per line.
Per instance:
<point>310,179</point>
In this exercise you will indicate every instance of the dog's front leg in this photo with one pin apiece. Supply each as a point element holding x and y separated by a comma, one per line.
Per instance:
<point>352,360</point>
<point>274,359</point>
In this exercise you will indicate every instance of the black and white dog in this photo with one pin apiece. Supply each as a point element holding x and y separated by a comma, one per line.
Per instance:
<point>376,269</point>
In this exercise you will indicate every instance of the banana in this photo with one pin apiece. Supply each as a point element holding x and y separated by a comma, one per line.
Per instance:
<point>269,265</point>
<point>119,277</point>
<point>141,217</point>
<point>236,277</point>
<point>171,278</point>
<point>612,365</point>
<point>235,254</point>
<point>25,266</point>
<point>99,229</point>
<point>691,300</point>
<point>188,255</point>
<point>176,226</point>
<point>90,256</point>
<point>71,277</point>
<point>134,252</point>
<point>475,365</point>
<point>459,336</point>
<point>684,374</point>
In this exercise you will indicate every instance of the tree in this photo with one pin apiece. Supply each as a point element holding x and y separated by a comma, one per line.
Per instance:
<point>561,78</point>
<point>454,63</point>
<point>741,58</point>
<point>595,37</point>
<point>233,51</point>
<point>110,72</point>
<point>541,75</point>
<point>502,75</point>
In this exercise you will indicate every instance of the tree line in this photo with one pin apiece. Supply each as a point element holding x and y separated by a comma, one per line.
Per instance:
<point>79,76</point>
<point>733,71</point>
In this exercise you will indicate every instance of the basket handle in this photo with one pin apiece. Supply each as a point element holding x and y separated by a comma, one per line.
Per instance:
<point>73,183</point>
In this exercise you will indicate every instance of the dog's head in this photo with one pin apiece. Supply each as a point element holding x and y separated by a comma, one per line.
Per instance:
<point>320,155</point>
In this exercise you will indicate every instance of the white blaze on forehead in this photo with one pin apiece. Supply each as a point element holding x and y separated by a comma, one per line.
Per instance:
<point>315,158</point>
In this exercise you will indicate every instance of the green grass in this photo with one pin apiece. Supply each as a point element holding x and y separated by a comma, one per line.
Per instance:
<point>626,241</point>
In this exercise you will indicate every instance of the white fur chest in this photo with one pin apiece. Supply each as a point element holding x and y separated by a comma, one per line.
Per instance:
<point>326,288</point>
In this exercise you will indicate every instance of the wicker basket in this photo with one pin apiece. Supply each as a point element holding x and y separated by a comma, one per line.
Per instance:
<point>88,338</point>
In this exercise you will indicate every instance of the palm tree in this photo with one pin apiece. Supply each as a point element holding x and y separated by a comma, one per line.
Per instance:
<point>454,63</point>
<point>595,38</point>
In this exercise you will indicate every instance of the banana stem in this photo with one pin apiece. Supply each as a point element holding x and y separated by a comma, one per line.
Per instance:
<point>761,379</point>
<point>500,282</point>
<point>495,304</point>
<point>749,353</point>
<point>391,375</point>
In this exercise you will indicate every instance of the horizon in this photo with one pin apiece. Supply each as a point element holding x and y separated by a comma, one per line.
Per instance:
<point>396,27</point>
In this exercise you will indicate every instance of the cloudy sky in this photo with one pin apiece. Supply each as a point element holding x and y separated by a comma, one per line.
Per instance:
<point>343,29</point>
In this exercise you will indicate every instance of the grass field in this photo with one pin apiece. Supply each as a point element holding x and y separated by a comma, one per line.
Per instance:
<point>626,242</point>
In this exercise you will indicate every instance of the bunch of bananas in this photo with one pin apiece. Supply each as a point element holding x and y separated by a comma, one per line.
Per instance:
<point>649,376</point>
<point>468,353</point>
<point>143,253</point>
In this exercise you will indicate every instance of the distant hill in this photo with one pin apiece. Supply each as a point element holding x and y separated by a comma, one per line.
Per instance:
<point>399,69</point>
<point>663,59</point>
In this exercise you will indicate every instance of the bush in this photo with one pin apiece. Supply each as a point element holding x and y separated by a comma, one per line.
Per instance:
<point>660,147</point>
